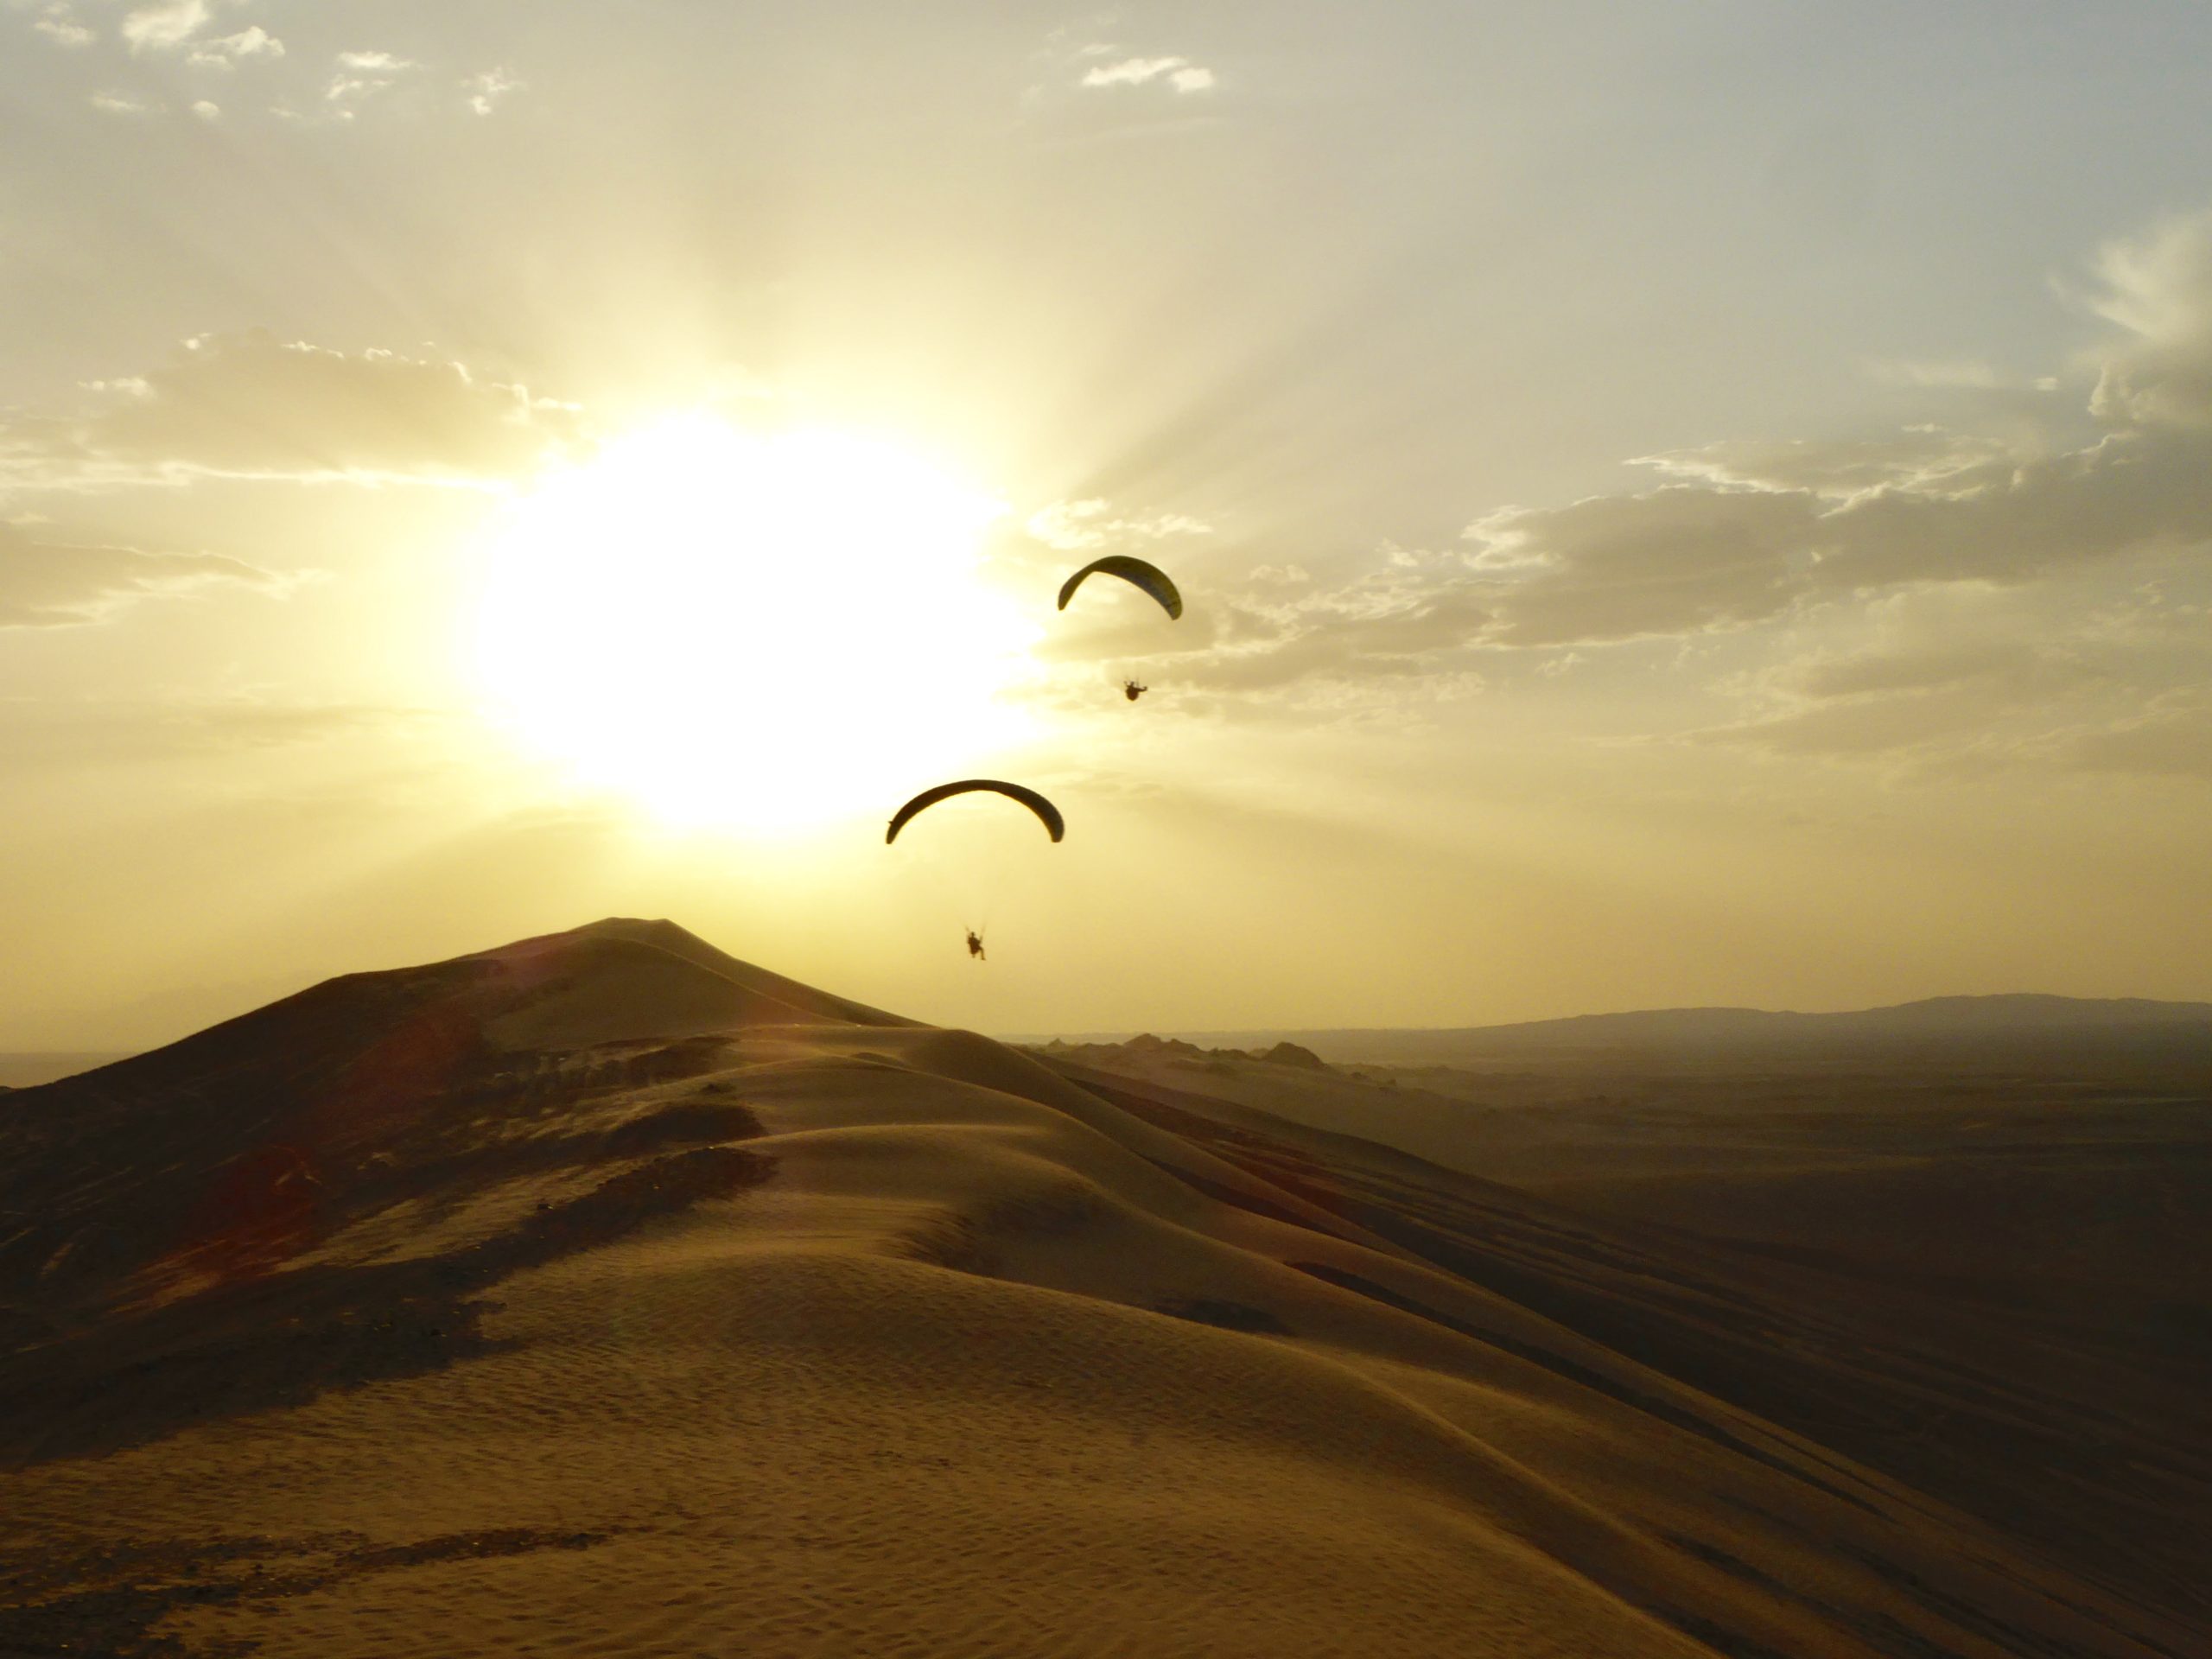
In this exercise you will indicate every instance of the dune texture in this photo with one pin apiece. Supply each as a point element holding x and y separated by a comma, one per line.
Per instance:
<point>604,1296</point>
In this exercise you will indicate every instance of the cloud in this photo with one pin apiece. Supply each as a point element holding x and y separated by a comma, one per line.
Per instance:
<point>361,76</point>
<point>1746,532</point>
<point>250,405</point>
<point>222,54</point>
<point>1918,457</point>
<point>118,104</point>
<point>2013,667</point>
<point>1405,635</point>
<point>1748,535</point>
<point>1823,535</point>
<point>1964,685</point>
<point>1859,727</point>
<point>1409,623</point>
<point>1074,526</point>
<point>1931,698</point>
<point>60,26</point>
<point>2173,739</point>
<point>1756,543</point>
<point>160,26</point>
<point>207,111</point>
<point>2159,288</point>
<point>1679,559</point>
<point>485,90</point>
<point>44,585</point>
<point>1968,372</point>
<point>1180,74</point>
<point>381,63</point>
<point>1935,714</point>
<point>104,731</point>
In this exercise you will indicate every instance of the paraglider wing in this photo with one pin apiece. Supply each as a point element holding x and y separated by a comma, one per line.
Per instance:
<point>1150,577</point>
<point>1049,814</point>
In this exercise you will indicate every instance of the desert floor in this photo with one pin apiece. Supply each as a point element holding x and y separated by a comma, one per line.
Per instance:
<point>604,1296</point>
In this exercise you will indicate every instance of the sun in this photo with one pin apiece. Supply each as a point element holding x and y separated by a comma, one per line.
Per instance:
<point>757,631</point>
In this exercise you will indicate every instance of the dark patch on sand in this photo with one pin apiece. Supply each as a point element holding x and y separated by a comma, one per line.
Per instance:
<point>282,1339</point>
<point>1226,1316</point>
<point>106,1600</point>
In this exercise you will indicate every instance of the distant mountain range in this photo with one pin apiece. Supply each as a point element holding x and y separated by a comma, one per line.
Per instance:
<point>2032,1026</point>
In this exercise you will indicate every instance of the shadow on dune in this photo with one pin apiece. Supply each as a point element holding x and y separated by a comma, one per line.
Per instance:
<point>106,1601</point>
<point>282,1339</point>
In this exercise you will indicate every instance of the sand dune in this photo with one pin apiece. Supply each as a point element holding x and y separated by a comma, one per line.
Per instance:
<point>602,1295</point>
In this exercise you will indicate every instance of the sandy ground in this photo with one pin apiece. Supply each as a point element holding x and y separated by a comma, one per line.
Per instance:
<point>603,1295</point>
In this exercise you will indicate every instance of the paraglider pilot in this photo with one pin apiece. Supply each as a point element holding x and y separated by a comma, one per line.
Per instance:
<point>1132,690</point>
<point>975,945</point>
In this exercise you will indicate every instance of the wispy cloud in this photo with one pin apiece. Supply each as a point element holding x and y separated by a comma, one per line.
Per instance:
<point>1071,526</point>
<point>222,52</point>
<point>120,103</point>
<point>1747,532</point>
<point>1409,628</point>
<point>362,75</point>
<point>1921,698</point>
<point>2157,288</point>
<point>1180,74</point>
<point>384,63</point>
<point>44,585</point>
<point>485,90</point>
<point>1780,543</point>
<point>252,406</point>
<point>2172,739</point>
<point>1954,373</point>
<point>1936,708</point>
<point>165,25</point>
<point>59,24</point>
<point>1920,457</point>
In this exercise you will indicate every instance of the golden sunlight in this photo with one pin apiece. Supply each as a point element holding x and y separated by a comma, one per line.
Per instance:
<point>754,630</point>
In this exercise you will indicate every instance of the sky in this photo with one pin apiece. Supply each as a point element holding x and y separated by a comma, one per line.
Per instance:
<point>1692,505</point>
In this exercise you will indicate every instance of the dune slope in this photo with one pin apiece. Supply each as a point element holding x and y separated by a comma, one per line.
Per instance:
<point>604,1296</point>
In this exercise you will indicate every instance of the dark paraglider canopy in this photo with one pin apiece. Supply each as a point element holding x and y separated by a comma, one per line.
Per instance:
<point>1149,577</point>
<point>1046,812</point>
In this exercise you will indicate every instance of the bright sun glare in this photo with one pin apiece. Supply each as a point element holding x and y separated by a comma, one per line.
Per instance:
<point>756,631</point>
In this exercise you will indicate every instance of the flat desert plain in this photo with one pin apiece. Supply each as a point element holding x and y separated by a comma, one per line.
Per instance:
<point>601,1294</point>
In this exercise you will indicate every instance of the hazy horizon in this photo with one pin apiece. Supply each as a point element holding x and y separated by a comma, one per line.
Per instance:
<point>1699,508</point>
<point>2022,1011</point>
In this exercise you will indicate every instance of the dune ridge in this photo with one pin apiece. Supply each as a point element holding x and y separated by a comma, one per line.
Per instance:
<point>604,1294</point>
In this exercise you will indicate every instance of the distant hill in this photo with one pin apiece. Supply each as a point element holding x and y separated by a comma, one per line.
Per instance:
<point>24,1070</point>
<point>1979,1029</point>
